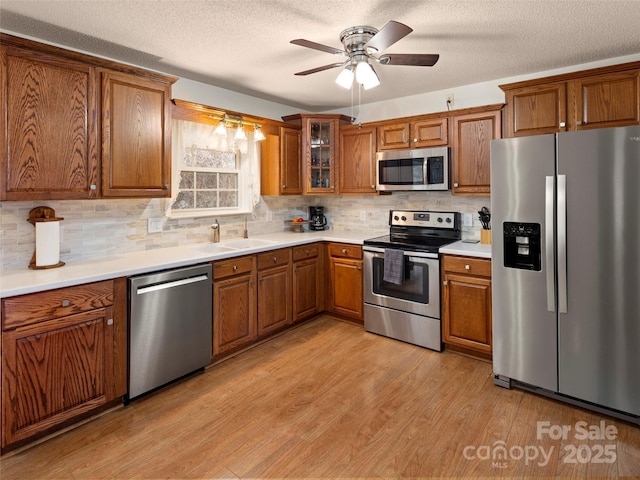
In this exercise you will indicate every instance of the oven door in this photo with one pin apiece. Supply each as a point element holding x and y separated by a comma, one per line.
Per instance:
<point>420,291</point>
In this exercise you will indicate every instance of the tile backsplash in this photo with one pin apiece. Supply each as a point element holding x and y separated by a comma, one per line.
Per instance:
<point>97,228</point>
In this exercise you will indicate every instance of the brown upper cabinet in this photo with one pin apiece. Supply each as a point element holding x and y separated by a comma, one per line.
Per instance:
<point>357,159</point>
<point>136,136</point>
<point>53,144</point>
<point>319,151</point>
<point>427,132</point>
<point>280,165</point>
<point>471,149</point>
<point>597,98</point>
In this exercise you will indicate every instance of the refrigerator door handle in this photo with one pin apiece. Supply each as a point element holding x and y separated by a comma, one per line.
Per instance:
<point>562,244</point>
<point>549,261</point>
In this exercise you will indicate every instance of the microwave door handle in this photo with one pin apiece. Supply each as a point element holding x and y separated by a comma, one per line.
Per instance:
<point>425,168</point>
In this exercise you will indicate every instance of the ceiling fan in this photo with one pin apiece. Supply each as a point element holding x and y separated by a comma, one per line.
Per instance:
<point>362,44</point>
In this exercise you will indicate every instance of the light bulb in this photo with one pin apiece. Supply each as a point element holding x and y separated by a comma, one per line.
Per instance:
<point>345,79</point>
<point>221,129</point>
<point>258,136</point>
<point>240,135</point>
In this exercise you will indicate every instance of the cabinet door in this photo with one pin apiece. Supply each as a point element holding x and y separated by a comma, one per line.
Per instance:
<point>274,298</point>
<point>472,135</point>
<point>346,287</point>
<point>320,146</point>
<point>290,161</point>
<point>234,319</point>
<point>466,312</point>
<point>357,160</point>
<point>605,100</point>
<point>536,110</point>
<point>48,133</point>
<point>54,371</point>
<point>306,276</point>
<point>429,133</point>
<point>136,136</point>
<point>394,136</point>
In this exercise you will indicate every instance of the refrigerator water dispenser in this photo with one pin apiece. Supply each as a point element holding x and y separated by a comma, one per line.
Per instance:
<point>522,245</point>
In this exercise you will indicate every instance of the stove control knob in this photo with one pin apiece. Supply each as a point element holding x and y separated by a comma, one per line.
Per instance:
<point>439,219</point>
<point>448,219</point>
<point>404,219</point>
<point>395,217</point>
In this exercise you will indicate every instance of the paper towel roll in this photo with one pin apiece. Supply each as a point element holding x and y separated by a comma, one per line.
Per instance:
<point>47,243</point>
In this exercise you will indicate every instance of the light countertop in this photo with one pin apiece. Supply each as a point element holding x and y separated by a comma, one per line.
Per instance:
<point>20,281</point>
<point>76,272</point>
<point>468,249</point>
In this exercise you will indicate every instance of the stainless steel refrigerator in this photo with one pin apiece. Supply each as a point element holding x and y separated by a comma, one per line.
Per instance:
<point>566,266</point>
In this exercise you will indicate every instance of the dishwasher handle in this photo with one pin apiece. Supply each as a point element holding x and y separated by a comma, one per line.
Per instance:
<point>175,283</point>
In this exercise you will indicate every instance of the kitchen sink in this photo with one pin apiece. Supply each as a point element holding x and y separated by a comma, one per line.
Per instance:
<point>248,243</point>
<point>215,248</point>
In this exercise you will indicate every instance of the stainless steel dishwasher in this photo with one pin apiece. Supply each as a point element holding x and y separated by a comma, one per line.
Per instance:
<point>170,326</point>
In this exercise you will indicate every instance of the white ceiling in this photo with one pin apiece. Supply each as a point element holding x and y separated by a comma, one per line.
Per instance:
<point>243,45</point>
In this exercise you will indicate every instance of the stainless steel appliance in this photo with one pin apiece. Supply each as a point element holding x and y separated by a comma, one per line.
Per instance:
<point>566,266</point>
<point>317,220</point>
<point>170,326</point>
<point>419,169</point>
<point>405,304</point>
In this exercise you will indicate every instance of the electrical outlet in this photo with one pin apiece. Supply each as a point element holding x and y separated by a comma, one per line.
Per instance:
<point>467,220</point>
<point>449,100</point>
<point>363,215</point>
<point>154,225</point>
<point>269,216</point>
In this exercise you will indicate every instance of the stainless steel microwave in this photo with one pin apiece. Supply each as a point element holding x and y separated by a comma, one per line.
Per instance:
<point>419,169</point>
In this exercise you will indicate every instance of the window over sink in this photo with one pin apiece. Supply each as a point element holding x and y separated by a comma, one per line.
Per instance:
<point>213,174</point>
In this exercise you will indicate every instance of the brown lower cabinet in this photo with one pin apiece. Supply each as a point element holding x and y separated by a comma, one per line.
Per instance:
<point>63,356</point>
<point>345,279</point>
<point>466,305</point>
<point>307,291</point>
<point>234,303</point>
<point>274,290</point>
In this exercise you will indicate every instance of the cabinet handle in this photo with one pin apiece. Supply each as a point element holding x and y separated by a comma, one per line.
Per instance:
<point>579,122</point>
<point>110,321</point>
<point>445,283</point>
<point>467,267</point>
<point>235,267</point>
<point>455,184</point>
<point>359,268</point>
<point>563,124</point>
<point>275,259</point>
<point>284,186</point>
<point>306,252</point>
<point>166,186</point>
<point>66,303</point>
<point>415,140</point>
<point>92,187</point>
<point>344,250</point>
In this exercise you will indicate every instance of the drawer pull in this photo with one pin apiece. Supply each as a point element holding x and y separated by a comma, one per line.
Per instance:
<point>235,267</point>
<point>344,250</point>
<point>306,251</point>
<point>66,303</point>
<point>275,259</point>
<point>467,267</point>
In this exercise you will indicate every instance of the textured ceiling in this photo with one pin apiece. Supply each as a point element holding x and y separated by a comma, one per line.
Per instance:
<point>243,45</point>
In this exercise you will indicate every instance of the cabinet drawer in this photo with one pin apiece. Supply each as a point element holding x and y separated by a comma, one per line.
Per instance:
<point>467,265</point>
<point>36,307</point>
<point>274,258</point>
<point>345,250</point>
<point>306,251</point>
<point>233,266</point>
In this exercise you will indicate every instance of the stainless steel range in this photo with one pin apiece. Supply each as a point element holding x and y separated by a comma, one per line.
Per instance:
<point>402,276</point>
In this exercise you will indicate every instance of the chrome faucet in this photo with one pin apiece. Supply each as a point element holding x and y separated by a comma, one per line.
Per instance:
<point>215,234</point>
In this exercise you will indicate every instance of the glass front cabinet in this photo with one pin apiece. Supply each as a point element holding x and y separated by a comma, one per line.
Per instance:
<point>319,151</point>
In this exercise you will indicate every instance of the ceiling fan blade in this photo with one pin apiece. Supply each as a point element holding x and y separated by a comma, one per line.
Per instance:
<point>320,69</point>
<point>411,59</point>
<point>388,35</point>
<point>317,46</point>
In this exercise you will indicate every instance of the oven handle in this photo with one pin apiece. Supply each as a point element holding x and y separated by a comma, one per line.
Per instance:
<point>406,253</point>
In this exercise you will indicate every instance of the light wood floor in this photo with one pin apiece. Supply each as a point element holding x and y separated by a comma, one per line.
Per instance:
<point>328,400</point>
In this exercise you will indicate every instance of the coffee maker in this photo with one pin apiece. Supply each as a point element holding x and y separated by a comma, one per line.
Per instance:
<point>317,220</point>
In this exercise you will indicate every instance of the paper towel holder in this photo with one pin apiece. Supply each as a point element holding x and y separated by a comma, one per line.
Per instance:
<point>42,214</point>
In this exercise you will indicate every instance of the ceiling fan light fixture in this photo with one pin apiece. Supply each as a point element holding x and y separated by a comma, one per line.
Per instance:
<point>345,78</point>
<point>366,75</point>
